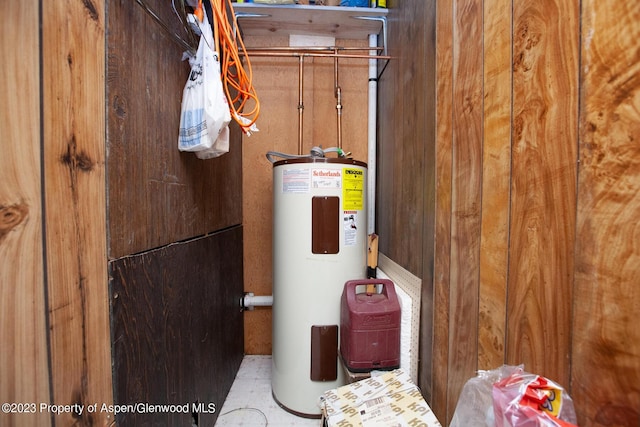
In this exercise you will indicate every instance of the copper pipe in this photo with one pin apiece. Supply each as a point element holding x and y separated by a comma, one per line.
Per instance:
<point>300,103</point>
<point>293,52</point>
<point>310,54</point>
<point>335,72</point>
<point>339,113</point>
<point>327,48</point>
<point>338,95</point>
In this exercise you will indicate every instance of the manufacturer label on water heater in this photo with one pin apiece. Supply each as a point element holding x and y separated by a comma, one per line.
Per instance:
<point>352,189</point>
<point>326,178</point>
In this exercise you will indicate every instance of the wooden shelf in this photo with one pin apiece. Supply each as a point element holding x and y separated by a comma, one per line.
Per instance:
<point>333,21</point>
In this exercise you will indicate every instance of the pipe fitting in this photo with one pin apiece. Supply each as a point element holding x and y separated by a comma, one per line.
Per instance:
<point>249,301</point>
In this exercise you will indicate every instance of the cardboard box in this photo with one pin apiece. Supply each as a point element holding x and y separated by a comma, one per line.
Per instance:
<point>387,400</point>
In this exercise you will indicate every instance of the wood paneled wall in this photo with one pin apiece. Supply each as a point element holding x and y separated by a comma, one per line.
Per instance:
<point>55,315</point>
<point>534,198</point>
<point>508,182</point>
<point>89,172</point>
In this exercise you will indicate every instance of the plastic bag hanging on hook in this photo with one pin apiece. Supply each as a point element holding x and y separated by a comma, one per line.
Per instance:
<point>205,115</point>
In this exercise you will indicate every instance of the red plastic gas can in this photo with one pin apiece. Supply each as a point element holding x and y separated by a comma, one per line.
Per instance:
<point>370,326</point>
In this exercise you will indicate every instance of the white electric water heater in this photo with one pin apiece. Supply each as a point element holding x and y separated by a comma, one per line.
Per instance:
<point>319,243</point>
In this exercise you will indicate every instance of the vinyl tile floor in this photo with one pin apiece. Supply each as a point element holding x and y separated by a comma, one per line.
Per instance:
<point>250,402</point>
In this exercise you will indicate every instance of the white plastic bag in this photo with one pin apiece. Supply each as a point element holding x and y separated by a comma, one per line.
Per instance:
<point>475,404</point>
<point>205,112</point>
<point>219,147</point>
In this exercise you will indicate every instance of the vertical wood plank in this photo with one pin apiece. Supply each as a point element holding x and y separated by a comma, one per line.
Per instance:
<point>403,125</point>
<point>426,14</point>
<point>442,256</point>
<point>410,149</point>
<point>389,133</point>
<point>74,157</point>
<point>466,196</point>
<point>543,188</point>
<point>606,340</point>
<point>24,371</point>
<point>496,170</point>
<point>406,184</point>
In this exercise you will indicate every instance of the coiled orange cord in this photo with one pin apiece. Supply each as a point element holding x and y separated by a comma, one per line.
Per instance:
<point>236,76</point>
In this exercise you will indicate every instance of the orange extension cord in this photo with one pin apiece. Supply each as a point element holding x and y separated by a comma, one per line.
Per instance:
<point>236,76</point>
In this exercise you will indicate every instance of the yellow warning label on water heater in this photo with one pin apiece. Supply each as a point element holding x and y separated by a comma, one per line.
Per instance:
<point>352,189</point>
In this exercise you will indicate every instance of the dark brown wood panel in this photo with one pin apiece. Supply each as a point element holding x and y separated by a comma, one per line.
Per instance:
<point>386,206</point>
<point>402,123</point>
<point>177,327</point>
<point>427,13</point>
<point>406,194</point>
<point>410,147</point>
<point>606,339</point>
<point>406,154</point>
<point>158,195</point>
<point>543,186</point>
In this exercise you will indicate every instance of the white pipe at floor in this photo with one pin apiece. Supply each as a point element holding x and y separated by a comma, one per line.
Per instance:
<point>371,135</point>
